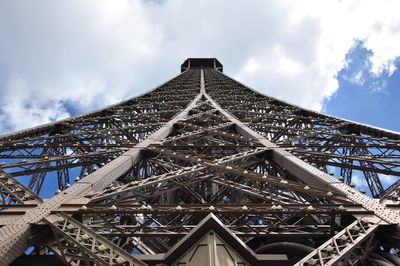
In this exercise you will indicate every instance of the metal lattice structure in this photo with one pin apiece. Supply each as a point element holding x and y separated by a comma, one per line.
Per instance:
<point>201,170</point>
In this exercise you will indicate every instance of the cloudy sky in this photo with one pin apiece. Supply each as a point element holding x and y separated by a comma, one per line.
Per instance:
<point>62,58</point>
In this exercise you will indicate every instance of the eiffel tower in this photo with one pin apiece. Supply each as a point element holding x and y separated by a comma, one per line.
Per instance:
<point>201,170</point>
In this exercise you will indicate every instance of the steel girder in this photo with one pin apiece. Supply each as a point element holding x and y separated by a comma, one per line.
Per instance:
<point>151,169</point>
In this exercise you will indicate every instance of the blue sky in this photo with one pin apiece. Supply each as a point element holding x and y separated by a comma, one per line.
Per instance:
<point>363,96</point>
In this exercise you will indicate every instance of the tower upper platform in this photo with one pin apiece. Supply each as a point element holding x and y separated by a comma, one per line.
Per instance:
<point>202,62</point>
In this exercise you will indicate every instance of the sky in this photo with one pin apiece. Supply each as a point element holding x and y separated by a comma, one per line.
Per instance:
<point>63,58</point>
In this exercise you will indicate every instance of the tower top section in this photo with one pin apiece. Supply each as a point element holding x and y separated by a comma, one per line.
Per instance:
<point>202,63</point>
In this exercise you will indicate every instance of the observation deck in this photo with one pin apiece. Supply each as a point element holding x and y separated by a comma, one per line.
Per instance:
<point>202,63</point>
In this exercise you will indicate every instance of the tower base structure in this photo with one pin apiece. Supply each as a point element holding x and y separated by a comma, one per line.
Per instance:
<point>201,170</point>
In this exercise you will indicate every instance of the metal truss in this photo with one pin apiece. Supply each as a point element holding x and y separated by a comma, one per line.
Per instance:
<point>196,171</point>
<point>345,246</point>
<point>77,243</point>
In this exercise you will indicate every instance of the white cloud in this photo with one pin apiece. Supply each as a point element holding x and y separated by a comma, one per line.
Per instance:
<point>18,111</point>
<point>334,28</point>
<point>86,53</point>
<point>94,52</point>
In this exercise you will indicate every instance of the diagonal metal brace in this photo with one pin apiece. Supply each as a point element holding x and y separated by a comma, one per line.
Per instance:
<point>341,244</point>
<point>71,234</point>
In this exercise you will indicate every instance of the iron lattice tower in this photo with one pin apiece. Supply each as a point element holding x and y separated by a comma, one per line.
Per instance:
<point>202,170</point>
